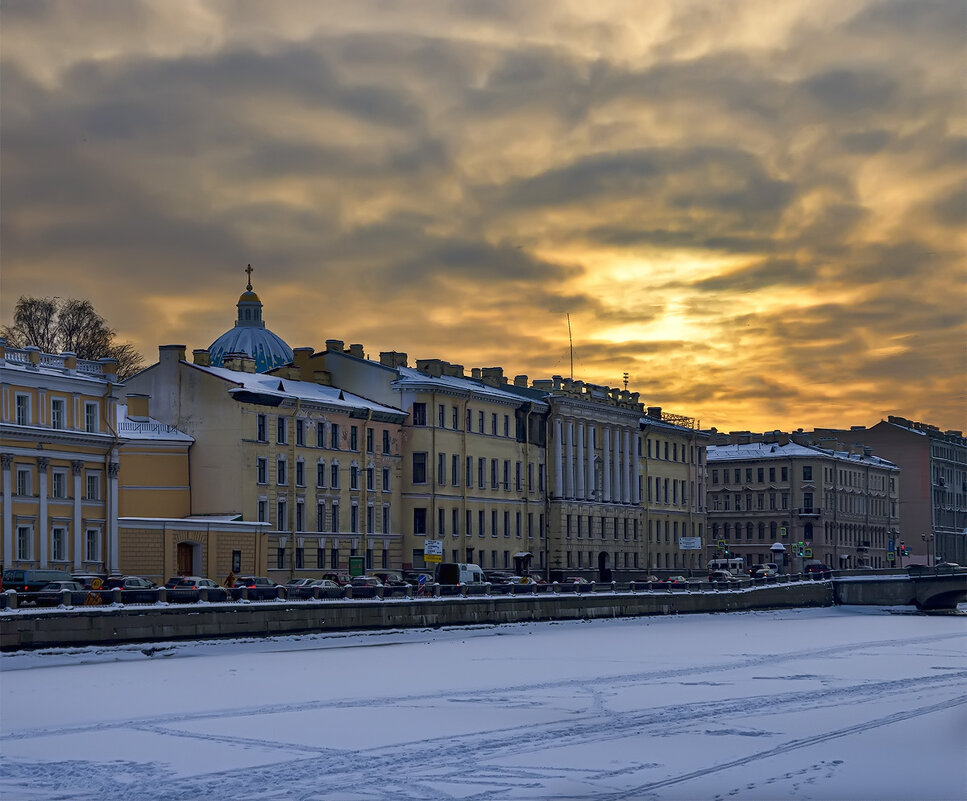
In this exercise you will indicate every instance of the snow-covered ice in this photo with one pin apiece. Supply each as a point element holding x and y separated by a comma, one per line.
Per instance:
<point>838,703</point>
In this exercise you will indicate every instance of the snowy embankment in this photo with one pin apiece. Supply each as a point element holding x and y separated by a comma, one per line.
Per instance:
<point>834,703</point>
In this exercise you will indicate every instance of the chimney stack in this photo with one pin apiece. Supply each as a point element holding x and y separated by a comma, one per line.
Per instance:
<point>520,380</point>
<point>356,350</point>
<point>336,345</point>
<point>201,357</point>
<point>137,406</point>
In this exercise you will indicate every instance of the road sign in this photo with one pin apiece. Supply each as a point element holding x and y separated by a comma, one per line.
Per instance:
<point>783,531</point>
<point>96,584</point>
<point>357,566</point>
<point>433,550</point>
<point>421,579</point>
<point>808,553</point>
<point>720,544</point>
<point>890,556</point>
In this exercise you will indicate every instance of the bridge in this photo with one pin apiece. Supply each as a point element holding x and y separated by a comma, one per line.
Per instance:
<point>929,589</point>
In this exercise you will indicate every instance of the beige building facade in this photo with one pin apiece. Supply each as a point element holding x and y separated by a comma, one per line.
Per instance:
<point>317,466</point>
<point>838,507</point>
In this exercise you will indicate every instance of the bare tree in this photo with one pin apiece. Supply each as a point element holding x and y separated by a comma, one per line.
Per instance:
<point>69,325</point>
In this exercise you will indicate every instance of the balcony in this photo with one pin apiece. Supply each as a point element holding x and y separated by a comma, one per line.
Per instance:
<point>809,511</point>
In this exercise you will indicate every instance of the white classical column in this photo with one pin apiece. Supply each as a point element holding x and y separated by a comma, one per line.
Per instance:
<point>589,466</point>
<point>606,464</point>
<point>569,460</point>
<point>579,464</point>
<point>626,473</point>
<point>43,463</point>
<point>78,538</point>
<point>635,470</point>
<point>112,520</point>
<point>6,460</point>
<point>616,468</point>
<point>558,463</point>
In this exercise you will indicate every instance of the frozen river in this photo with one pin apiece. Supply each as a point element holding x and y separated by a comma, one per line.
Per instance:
<point>839,703</point>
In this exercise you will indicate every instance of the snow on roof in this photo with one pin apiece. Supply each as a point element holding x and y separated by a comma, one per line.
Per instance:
<point>412,376</point>
<point>773,450</point>
<point>147,428</point>
<point>276,386</point>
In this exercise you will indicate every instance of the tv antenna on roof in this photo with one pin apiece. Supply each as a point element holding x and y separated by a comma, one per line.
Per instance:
<point>625,377</point>
<point>570,340</point>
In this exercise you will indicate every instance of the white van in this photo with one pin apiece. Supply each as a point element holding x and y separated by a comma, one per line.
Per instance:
<point>459,573</point>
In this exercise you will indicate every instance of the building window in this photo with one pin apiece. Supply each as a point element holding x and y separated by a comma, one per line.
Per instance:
<point>419,468</point>
<point>25,541</point>
<point>320,434</point>
<point>493,424</point>
<point>58,413</point>
<point>480,422</point>
<point>353,477</point>
<point>506,425</point>
<point>334,475</point>
<point>386,520</point>
<point>300,432</point>
<point>419,414</point>
<point>441,467</point>
<point>441,416</point>
<point>369,440</point>
<point>493,523</point>
<point>300,558</point>
<point>370,519</point>
<point>280,521</point>
<point>354,438</point>
<point>23,410</point>
<point>386,484</point>
<point>419,520</point>
<point>807,472</point>
<point>336,522</point>
<point>334,441</point>
<point>260,428</point>
<point>262,470</point>
<point>58,484</point>
<point>354,518</point>
<point>23,481</point>
<point>321,474</point>
<point>334,558</point>
<point>300,473</point>
<point>456,418</point>
<point>493,474</point>
<point>300,516</point>
<point>93,486</point>
<point>321,516</point>
<point>441,522</point>
<point>785,474</point>
<point>280,558</point>
<point>455,470</point>
<point>91,418</point>
<point>481,528</point>
<point>92,545</point>
<point>280,471</point>
<point>263,511</point>
<point>385,440</point>
<point>281,430</point>
<point>540,478</point>
<point>320,558</point>
<point>371,479</point>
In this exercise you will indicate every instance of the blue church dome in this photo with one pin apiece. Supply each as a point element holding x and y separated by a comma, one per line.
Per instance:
<point>251,336</point>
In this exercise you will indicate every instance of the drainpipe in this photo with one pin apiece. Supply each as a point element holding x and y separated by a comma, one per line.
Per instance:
<point>110,472</point>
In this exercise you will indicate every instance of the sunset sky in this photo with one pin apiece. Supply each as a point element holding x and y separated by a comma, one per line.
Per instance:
<point>756,209</point>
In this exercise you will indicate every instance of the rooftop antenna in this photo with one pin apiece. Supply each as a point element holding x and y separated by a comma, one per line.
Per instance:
<point>570,340</point>
<point>625,377</point>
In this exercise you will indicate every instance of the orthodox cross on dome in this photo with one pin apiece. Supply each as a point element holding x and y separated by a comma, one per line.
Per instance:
<point>249,271</point>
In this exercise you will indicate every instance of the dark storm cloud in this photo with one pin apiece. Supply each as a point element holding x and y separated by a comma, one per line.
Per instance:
<point>732,205</point>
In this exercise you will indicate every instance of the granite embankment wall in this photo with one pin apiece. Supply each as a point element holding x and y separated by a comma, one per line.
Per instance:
<point>91,625</point>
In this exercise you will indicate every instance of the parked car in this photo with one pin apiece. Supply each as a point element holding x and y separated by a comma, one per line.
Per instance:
<point>88,579</point>
<point>293,584</point>
<point>677,580</point>
<point>53,593</point>
<point>366,581</point>
<point>499,576</point>
<point>185,589</point>
<point>761,571</point>
<point>390,578</point>
<point>306,587</point>
<point>577,580</point>
<point>342,579</point>
<point>817,569</point>
<point>134,589</point>
<point>722,575</point>
<point>259,588</point>
<point>652,578</point>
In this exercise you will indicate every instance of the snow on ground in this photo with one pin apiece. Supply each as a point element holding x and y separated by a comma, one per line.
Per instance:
<point>838,703</point>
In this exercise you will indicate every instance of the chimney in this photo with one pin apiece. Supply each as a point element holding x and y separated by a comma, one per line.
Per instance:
<point>475,373</point>
<point>390,358</point>
<point>492,376</point>
<point>138,406</point>
<point>655,412</point>
<point>301,359</point>
<point>201,357</point>
<point>520,380</point>
<point>867,451</point>
<point>558,383</point>
<point>430,367</point>
<point>109,368</point>
<point>335,344</point>
<point>453,370</point>
<point>357,351</point>
<point>240,362</point>
<point>171,353</point>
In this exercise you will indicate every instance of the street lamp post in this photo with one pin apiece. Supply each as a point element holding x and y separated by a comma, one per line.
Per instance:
<point>928,544</point>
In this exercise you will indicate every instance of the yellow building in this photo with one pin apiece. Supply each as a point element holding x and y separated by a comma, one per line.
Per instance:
<point>473,472</point>
<point>673,491</point>
<point>59,456</point>
<point>318,465</point>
